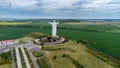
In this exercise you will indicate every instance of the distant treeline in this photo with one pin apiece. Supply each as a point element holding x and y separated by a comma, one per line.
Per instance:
<point>49,27</point>
<point>61,20</point>
<point>40,20</point>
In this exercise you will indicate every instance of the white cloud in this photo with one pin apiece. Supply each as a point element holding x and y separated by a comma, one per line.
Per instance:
<point>96,4</point>
<point>61,5</point>
<point>25,4</point>
<point>102,4</point>
<point>58,4</point>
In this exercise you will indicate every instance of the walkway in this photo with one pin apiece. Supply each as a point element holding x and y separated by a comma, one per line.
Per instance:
<point>19,65</point>
<point>12,56</point>
<point>34,60</point>
<point>25,57</point>
<point>31,48</point>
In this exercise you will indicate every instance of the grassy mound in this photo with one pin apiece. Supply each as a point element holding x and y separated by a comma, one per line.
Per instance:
<point>37,35</point>
<point>79,58</point>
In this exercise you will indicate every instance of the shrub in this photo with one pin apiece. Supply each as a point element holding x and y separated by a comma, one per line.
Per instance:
<point>29,58</point>
<point>39,63</point>
<point>42,46</point>
<point>77,64</point>
<point>118,66</point>
<point>66,40</point>
<point>22,58</point>
<point>86,41</point>
<point>37,35</point>
<point>37,54</point>
<point>42,43</point>
<point>45,62</point>
<point>64,55</point>
<point>5,58</point>
<point>55,57</point>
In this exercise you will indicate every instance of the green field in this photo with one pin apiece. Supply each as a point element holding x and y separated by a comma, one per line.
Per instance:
<point>107,42</point>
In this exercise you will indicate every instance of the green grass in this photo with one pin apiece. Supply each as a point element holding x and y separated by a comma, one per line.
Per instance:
<point>79,58</point>
<point>44,62</point>
<point>14,32</point>
<point>39,63</point>
<point>6,66</point>
<point>107,42</point>
<point>105,27</point>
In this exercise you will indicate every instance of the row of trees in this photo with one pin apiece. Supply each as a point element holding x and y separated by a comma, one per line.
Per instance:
<point>86,41</point>
<point>49,27</point>
<point>75,62</point>
<point>22,58</point>
<point>29,58</point>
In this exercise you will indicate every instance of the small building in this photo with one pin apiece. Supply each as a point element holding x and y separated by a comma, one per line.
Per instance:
<point>7,42</point>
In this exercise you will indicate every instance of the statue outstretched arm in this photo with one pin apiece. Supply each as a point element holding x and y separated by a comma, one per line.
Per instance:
<point>50,22</point>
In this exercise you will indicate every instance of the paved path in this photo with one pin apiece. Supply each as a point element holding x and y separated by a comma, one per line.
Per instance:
<point>19,65</point>
<point>25,57</point>
<point>33,60</point>
<point>13,61</point>
<point>7,48</point>
<point>31,48</point>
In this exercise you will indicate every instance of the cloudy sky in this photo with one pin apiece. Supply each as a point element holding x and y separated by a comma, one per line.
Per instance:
<point>81,9</point>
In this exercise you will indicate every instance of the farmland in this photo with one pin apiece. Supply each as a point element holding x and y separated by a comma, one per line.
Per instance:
<point>106,37</point>
<point>14,23</point>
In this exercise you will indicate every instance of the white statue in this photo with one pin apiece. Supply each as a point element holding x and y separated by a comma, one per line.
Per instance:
<point>54,27</point>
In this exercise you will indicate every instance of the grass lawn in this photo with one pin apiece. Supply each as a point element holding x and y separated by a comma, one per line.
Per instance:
<point>6,66</point>
<point>77,52</point>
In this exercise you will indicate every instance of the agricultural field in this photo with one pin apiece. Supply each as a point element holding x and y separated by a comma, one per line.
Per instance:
<point>14,23</point>
<point>106,37</point>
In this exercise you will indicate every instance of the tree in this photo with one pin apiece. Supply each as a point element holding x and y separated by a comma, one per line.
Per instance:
<point>55,57</point>
<point>64,55</point>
